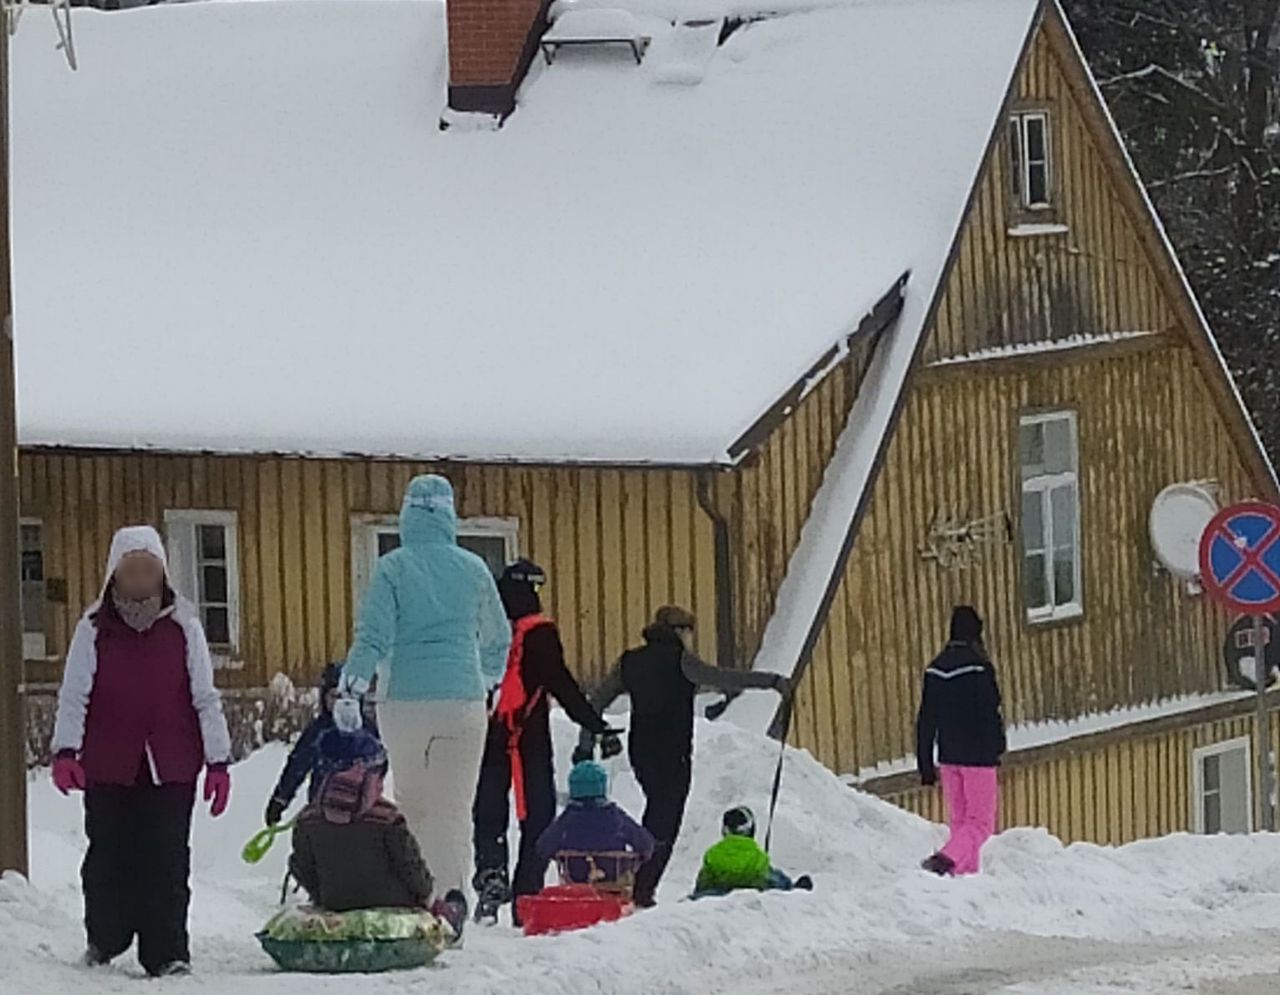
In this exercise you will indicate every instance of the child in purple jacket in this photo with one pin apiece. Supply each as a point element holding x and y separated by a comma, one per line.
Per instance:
<point>591,824</point>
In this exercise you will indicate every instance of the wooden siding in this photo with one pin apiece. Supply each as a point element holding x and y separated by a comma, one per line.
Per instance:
<point>617,543</point>
<point>1148,414</point>
<point>767,500</point>
<point>1117,793</point>
<point>1095,277</point>
<point>1145,420</point>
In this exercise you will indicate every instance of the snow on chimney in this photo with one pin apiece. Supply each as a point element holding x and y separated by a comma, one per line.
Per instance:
<point>491,43</point>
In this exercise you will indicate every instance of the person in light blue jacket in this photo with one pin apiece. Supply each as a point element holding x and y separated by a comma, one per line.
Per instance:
<point>433,615</point>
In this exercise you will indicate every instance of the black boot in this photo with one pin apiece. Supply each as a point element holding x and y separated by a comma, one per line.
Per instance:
<point>452,909</point>
<point>492,892</point>
<point>939,864</point>
<point>93,957</point>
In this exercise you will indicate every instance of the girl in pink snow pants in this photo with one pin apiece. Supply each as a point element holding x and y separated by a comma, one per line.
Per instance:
<point>960,714</point>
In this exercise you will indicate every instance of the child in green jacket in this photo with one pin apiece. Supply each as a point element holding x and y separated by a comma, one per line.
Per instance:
<point>739,862</point>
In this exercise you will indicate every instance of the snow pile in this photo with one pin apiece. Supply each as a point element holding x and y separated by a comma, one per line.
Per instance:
<point>862,853</point>
<point>262,194</point>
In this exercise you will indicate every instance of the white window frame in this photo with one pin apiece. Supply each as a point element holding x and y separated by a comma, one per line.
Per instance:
<point>1018,121</point>
<point>180,532</point>
<point>35,645</point>
<point>1197,778</point>
<point>1045,485</point>
<point>365,528</point>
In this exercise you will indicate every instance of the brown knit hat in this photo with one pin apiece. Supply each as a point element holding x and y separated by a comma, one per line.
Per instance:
<point>674,617</point>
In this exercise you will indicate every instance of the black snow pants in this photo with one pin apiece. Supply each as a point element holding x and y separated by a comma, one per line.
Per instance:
<point>492,813</point>
<point>664,776</point>
<point>136,869</point>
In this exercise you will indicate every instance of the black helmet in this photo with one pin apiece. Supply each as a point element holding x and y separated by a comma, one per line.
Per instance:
<point>740,821</point>
<point>525,572</point>
<point>518,587</point>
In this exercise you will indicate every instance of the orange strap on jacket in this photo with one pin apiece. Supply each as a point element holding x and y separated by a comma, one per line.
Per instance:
<point>515,705</point>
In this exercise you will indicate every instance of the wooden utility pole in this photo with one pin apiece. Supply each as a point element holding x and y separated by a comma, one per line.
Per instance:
<point>13,740</point>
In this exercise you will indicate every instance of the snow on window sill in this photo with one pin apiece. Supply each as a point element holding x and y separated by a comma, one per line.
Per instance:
<point>224,658</point>
<point>1036,230</point>
<point>1066,613</point>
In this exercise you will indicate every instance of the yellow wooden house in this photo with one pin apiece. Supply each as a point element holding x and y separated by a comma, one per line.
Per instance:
<point>861,314</point>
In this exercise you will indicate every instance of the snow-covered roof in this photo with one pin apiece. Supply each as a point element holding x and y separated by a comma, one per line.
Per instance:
<point>238,226</point>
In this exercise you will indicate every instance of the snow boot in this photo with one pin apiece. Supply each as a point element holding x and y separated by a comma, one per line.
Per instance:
<point>174,969</point>
<point>803,883</point>
<point>452,909</point>
<point>93,957</point>
<point>492,892</point>
<point>939,864</point>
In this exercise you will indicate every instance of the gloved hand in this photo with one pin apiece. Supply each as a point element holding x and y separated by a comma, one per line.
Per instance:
<point>275,812</point>
<point>68,775</point>
<point>929,777</point>
<point>582,753</point>
<point>347,715</point>
<point>217,788</point>
<point>783,685</point>
<point>610,743</point>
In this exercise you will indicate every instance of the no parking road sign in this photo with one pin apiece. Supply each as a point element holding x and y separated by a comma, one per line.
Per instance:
<point>1240,558</point>
<point>1240,567</point>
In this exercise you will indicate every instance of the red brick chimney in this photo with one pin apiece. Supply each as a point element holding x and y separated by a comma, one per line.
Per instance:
<point>491,43</point>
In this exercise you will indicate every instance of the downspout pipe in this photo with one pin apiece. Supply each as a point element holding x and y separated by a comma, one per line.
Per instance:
<point>726,645</point>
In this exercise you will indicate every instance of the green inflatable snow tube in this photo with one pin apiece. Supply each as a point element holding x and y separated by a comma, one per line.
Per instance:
<point>366,941</point>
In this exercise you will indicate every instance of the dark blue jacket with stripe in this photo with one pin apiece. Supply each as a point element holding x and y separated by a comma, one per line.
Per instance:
<point>959,711</point>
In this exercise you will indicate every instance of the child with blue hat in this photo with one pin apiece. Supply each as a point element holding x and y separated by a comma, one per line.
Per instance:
<point>593,825</point>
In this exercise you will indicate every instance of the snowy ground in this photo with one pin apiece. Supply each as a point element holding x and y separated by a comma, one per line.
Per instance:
<point>1182,914</point>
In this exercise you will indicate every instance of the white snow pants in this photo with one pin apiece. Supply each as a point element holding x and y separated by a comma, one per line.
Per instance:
<point>435,748</point>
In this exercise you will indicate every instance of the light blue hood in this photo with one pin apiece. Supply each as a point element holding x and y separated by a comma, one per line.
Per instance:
<point>432,610</point>
<point>427,514</point>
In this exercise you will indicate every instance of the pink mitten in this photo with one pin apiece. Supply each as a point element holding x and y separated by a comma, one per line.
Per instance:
<point>68,775</point>
<point>217,788</point>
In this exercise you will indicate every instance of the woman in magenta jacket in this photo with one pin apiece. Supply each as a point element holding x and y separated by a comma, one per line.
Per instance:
<point>138,718</point>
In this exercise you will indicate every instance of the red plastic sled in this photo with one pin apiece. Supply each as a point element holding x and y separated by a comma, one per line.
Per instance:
<point>563,907</point>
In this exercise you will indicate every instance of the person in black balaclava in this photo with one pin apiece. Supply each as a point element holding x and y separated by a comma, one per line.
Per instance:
<point>518,752</point>
<point>663,677</point>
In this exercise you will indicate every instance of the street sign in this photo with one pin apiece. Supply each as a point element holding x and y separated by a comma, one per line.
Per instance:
<point>1240,558</point>
<point>1240,568</point>
<point>1240,656</point>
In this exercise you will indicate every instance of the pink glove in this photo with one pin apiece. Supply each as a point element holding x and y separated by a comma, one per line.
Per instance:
<point>68,775</point>
<point>217,788</point>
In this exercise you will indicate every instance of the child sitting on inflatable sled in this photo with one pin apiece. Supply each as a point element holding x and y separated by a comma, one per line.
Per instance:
<point>371,893</point>
<point>738,862</point>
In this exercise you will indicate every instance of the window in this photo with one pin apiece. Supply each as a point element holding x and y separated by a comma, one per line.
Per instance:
<point>1030,160</point>
<point>494,540</point>
<point>1221,788</point>
<point>1050,516</point>
<point>31,578</point>
<point>202,566</point>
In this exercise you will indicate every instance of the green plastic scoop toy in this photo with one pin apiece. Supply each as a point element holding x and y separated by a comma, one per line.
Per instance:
<point>257,847</point>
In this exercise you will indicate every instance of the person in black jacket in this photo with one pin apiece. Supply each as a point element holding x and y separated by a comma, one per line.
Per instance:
<point>663,677</point>
<point>518,752</point>
<point>960,712</point>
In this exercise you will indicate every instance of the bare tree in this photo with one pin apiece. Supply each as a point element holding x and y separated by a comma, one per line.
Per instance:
<point>1195,87</point>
